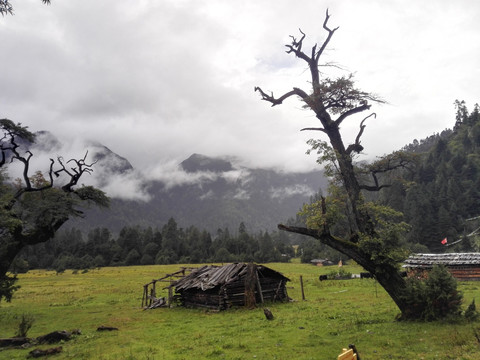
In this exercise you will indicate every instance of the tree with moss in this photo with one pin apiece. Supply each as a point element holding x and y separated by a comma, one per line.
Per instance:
<point>35,206</point>
<point>369,233</point>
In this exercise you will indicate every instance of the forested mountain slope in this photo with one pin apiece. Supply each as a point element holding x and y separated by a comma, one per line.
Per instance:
<point>444,192</point>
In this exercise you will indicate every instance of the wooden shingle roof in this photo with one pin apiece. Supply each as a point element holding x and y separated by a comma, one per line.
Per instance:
<point>449,259</point>
<point>210,276</point>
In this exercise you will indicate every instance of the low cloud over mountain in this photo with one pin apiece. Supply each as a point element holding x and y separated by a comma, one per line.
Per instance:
<point>203,191</point>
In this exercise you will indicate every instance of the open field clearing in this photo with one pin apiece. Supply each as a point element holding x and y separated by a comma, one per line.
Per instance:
<point>335,313</point>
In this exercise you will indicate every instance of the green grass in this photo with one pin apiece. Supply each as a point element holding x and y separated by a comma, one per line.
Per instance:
<point>334,314</point>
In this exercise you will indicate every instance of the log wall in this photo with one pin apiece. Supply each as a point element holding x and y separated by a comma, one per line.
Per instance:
<point>233,294</point>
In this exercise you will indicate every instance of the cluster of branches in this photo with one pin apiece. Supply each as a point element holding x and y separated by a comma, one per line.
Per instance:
<point>6,7</point>
<point>34,208</point>
<point>73,169</point>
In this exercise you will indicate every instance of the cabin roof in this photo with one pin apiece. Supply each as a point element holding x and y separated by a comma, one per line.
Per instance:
<point>210,276</point>
<point>448,259</point>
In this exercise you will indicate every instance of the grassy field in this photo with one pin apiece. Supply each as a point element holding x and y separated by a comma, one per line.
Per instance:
<point>334,314</point>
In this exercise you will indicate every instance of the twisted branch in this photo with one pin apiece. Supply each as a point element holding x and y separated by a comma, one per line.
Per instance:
<point>75,172</point>
<point>277,101</point>
<point>357,147</point>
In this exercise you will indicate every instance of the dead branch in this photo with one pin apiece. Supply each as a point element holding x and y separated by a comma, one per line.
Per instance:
<point>353,111</point>
<point>28,185</point>
<point>357,147</point>
<point>275,101</point>
<point>347,247</point>
<point>75,172</point>
<point>395,161</point>
<point>330,34</point>
<point>296,48</point>
<point>314,129</point>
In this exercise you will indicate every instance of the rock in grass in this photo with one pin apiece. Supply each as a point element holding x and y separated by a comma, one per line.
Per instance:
<point>268,314</point>
<point>39,352</point>
<point>54,337</point>
<point>16,341</point>
<point>106,328</point>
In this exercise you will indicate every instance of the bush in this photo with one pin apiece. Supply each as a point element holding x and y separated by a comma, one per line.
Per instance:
<point>133,257</point>
<point>434,298</point>
<point>339,274</point>
<point>99,261</point>
<point>147,260</point>
<point>471,313</point>
<point>19,266</point>
<point>24,325</point>
<point>7,287</point>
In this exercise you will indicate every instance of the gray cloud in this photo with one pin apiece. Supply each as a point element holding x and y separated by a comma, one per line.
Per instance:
<point>286,192</point>
<point>158,81</point>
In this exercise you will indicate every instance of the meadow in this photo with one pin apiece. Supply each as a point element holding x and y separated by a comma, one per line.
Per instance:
<point>335,313</point>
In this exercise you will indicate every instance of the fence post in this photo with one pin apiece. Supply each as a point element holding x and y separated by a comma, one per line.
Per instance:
<point>301,285</point>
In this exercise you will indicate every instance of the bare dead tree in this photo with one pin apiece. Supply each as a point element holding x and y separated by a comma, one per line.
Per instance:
<point>333,102</point>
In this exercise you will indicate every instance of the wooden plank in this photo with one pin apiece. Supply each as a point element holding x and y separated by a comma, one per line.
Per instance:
<point>347,355</point>
<point>259,287</point>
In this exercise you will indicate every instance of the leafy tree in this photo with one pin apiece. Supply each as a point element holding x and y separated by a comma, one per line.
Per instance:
<point>34,208</point>
<point>370,239</point>
<point>171,237</point>
<point>147,259</point>
<point>151,249</point>
<point>129,239</point>
<point>99,261</point>
<point>223,255</point>
<point>133,257</point>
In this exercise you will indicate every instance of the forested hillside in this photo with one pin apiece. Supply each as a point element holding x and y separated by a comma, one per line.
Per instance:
<point>444,192</point>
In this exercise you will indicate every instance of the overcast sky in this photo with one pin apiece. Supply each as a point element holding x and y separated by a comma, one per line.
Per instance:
<point>156,81</point>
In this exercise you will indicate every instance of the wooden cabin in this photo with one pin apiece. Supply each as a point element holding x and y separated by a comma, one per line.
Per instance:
<point>463,266</point>
<point>237,284</point>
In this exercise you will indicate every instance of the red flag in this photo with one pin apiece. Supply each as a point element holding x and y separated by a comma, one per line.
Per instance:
<point>444,241</point>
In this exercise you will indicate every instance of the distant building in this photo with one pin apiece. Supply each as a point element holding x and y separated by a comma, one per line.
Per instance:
<point>463,266</point>
<point>322,262</point>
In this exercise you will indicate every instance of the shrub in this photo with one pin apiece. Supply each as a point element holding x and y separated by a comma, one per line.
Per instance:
<point>339,274</point>
<point>99,261</point>
<point>24,325</point>
<point>19,266</point>
<point>434,298</point>
<point>471,313</point>
<point>147,260</point>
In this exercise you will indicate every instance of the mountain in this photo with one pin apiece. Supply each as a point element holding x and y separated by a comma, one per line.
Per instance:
<point>206,192</point>
<point>198,162</point>
<point>213,194</point>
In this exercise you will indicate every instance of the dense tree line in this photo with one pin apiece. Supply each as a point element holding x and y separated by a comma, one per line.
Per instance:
<point>71,249</point>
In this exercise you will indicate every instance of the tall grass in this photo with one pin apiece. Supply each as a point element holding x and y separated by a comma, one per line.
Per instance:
<point>334,314</point>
